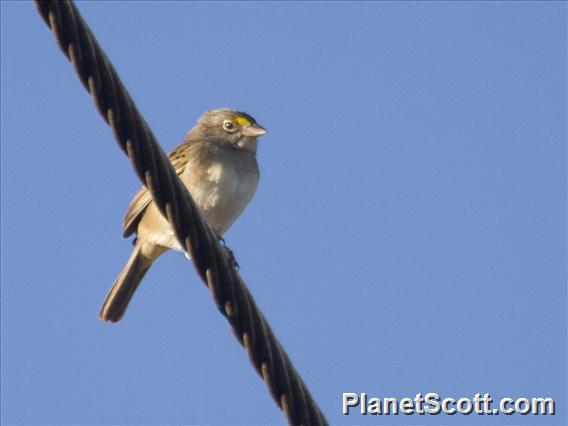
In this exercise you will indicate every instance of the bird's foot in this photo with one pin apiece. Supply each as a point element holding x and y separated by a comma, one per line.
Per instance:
<point>221,239</point>
<point>229,252</point>
<point>231,256</point>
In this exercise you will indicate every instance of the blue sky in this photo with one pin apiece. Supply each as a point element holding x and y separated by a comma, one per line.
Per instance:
<point>408,233</point>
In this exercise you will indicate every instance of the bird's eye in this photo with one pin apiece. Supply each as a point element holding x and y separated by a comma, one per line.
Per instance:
<point>229,125</point>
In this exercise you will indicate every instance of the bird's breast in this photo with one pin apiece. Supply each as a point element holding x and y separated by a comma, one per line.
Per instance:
<point>222,187</point>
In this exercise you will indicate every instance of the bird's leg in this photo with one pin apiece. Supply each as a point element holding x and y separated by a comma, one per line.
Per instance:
<point>229,252</point>
<point>232,257</point>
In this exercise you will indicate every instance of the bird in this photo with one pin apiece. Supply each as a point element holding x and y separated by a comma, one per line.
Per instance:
<point>217,163</point>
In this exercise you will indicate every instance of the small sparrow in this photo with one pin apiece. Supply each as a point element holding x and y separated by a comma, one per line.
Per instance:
<point>217,163</point>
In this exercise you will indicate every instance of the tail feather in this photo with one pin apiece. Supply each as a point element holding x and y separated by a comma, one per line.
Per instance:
<point>123,289</point>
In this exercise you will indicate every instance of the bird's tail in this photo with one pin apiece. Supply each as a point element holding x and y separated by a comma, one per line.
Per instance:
<point>123,289</point>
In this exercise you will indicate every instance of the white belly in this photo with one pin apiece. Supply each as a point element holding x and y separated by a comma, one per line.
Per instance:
<point>222,193</point>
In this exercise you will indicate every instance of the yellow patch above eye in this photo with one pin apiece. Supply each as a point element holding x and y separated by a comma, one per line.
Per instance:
<point>242,121</point>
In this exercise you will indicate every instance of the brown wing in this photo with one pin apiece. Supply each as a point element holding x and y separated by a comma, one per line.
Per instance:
<point>134,211</point>
<point>178,157</point>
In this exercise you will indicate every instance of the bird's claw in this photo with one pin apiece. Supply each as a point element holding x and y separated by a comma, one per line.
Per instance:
<point>221,239</point>
<point>231,256</point>
<point>229,252</point>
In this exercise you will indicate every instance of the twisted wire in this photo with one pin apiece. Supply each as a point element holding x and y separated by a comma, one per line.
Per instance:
<point>152,166</point>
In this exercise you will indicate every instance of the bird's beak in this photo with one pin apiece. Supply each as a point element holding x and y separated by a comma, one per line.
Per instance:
<point>253,130</point>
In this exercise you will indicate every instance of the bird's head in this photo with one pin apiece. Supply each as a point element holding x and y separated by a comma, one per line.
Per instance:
<point>229,126</point>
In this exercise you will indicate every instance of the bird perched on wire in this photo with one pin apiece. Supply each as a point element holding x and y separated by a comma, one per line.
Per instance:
<point>217,163</point>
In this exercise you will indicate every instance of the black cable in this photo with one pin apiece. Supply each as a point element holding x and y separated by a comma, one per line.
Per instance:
<point>174,201</point>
